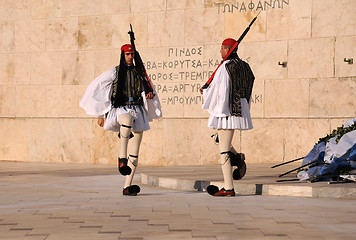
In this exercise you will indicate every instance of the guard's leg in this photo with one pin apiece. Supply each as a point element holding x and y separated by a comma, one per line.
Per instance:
<point>225,139</point>
<point>236,159</point>
<point>134,149</point>
<point>235,156</point>
<point>126,122</point>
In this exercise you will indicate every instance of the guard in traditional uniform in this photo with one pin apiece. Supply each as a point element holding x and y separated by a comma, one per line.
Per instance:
<point>125,102</point>
<point>227,99</point>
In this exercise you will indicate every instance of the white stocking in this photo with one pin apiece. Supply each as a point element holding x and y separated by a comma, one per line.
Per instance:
<point>232,149</point>
<point>126,122</point>
<point>225,139</point>
<point>134,149</point>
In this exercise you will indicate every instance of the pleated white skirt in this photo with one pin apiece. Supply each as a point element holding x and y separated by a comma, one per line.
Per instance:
<point>137,112</point>
<point>233,122</point>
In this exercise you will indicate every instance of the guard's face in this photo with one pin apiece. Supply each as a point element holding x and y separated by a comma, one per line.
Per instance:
<point>224,51</point>
<point>129,56</point>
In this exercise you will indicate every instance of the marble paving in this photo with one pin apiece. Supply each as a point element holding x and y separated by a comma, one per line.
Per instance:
<point>62,201</point>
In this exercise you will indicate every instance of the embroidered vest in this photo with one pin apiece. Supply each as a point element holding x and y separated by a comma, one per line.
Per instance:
<point>241,83</point>
<point>127,91</point>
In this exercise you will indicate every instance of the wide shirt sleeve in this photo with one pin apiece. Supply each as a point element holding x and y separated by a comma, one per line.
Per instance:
<point>96,100</point>
<point>216,96</point>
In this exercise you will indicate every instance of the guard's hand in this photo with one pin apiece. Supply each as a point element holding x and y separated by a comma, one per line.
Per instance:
<point>150,95</point>
<point>201,90</point>
<point>101,122</point>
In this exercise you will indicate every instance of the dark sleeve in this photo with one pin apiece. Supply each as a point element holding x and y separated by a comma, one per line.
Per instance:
<point>147,85</point>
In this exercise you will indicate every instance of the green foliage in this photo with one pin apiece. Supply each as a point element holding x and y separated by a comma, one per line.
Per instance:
<point>339,132</point>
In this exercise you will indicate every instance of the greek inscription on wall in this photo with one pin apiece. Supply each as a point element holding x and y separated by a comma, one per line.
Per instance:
<point>245,6</point>
<point>178,78</point>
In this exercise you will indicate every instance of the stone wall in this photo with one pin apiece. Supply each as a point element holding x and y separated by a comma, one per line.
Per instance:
<point>50,50</point>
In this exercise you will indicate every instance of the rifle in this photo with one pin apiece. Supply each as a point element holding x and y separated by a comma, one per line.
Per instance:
<point>137,57</point>
<point>287,162</point>
<point>310,163</point>
<point>232,49</point>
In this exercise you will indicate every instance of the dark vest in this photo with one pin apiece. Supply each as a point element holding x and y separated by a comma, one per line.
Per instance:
<point>128,90</point>
<point>241,83</point>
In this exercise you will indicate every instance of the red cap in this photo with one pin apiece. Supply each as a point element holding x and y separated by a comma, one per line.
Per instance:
<point>127,48</point>
<point>229,42</point>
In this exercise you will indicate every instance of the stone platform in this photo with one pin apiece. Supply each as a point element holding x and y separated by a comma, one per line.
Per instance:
<point>260,179</point>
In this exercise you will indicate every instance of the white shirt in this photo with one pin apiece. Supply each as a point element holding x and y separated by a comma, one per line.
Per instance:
<point>96,100</point>
<point>217,102</point>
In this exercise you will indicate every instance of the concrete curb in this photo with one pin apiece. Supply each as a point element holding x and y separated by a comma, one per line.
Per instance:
<point>276,189</point>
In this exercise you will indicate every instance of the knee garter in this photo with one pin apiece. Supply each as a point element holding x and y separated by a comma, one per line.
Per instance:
<point>126,126</point>
<point>224,157</point>
<point>133,159</point>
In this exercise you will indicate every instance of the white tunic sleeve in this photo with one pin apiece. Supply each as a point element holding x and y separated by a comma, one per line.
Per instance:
<point>97,98</point>
<point>152,106</point>
<point>216,96</point>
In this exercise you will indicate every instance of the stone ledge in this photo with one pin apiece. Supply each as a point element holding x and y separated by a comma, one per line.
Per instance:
<point>273,189</point>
